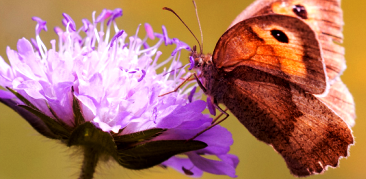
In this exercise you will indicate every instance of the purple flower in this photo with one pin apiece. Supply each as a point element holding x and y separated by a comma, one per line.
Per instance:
<point>107,86</point>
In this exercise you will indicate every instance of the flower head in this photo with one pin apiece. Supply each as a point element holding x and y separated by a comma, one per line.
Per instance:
<point>107,87</point>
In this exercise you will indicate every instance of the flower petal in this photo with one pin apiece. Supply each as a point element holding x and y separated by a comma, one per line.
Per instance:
<point>180,163</point>
<point>225,167</point>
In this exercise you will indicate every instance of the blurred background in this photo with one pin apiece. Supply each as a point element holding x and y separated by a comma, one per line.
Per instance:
<point>26,154</point>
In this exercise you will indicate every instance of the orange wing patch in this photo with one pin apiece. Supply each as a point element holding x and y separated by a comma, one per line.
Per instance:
<point>280,45</point>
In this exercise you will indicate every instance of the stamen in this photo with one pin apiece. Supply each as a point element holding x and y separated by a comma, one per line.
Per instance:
<point>34,43</point>
<point>115,14</point>
<point>86,24</point>
<point>180,46</point>
<point>149,30</point>
<point>165,36</point>
<point>116,37</point>
<point>105,14</point>
<point>41,25</point>
<point>143,75</point>
<point>69,21</point>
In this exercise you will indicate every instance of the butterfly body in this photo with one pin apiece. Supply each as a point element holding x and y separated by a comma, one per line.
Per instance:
<point>269,71</point>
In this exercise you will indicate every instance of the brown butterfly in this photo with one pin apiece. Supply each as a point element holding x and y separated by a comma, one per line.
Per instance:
<point>277,70</point>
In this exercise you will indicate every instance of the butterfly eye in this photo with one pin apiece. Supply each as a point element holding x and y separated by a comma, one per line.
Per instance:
<point>279,36</point>
<point>300,11</point>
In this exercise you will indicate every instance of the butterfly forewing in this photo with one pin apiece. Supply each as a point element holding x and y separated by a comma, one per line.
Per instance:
<point>324,16</point>
<point>280,45</point>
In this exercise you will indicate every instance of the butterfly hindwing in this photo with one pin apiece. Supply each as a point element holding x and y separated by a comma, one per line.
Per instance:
<point>341,101</point>
<point>307,134</point>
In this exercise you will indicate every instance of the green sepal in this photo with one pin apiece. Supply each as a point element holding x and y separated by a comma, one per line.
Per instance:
<point>53,125</point>
<point>78,116</point>
<point>21,98</point>
<point>125,141</point>
<point>87,135</point>
<point>153,153</point>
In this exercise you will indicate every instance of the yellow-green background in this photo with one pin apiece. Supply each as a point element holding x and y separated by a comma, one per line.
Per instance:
<point>26,154</point>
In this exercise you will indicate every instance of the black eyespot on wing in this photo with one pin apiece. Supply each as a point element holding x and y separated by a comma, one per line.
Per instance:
<point>280,36</point>
<point>300,11</point>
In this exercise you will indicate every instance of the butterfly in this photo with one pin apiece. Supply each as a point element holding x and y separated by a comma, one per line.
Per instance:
<point>277,69</point>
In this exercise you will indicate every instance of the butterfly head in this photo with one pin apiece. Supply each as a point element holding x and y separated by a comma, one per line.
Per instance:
<point>199,60</point>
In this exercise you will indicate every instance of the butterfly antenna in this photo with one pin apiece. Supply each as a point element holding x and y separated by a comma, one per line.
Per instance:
<point>199,25</point>
<point>171,10</point>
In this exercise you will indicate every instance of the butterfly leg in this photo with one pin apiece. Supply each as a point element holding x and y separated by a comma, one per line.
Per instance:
<point>180,85</point>
<point>200,83</point>
<point>185,80</point>
<point>219,116</point>
<point>214,123</point>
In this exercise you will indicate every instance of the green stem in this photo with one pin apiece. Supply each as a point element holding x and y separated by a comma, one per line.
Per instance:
<point>91,157</point>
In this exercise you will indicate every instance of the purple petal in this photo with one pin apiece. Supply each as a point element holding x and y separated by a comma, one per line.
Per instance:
<point>199,124</point>
<point>211,107</point>
<point>213,166</point>
<point>218,139</point>
<point>24,47</point>
<point>189,112</point>
<point>41,25</point>
<point>180,163</point>
<point>230,159</point>
<point>6,95</point>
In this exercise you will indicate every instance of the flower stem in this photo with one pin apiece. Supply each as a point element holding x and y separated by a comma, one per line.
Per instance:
<point>91,157</point>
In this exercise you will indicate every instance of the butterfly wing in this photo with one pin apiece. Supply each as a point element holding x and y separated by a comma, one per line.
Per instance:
<point>341,101</point>
<point>324,17</point>
<point>278,109</point>
<point>283,46</point>
<point>301,128</point>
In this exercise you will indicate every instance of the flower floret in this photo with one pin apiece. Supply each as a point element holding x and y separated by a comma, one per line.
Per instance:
<point>116,88</point>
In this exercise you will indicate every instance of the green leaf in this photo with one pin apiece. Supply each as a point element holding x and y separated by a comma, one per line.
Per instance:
<point>138,136</point>
<point>89,136</point>
<point>153,153</point>
<point>78,116</point>
<point>53,125</point>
